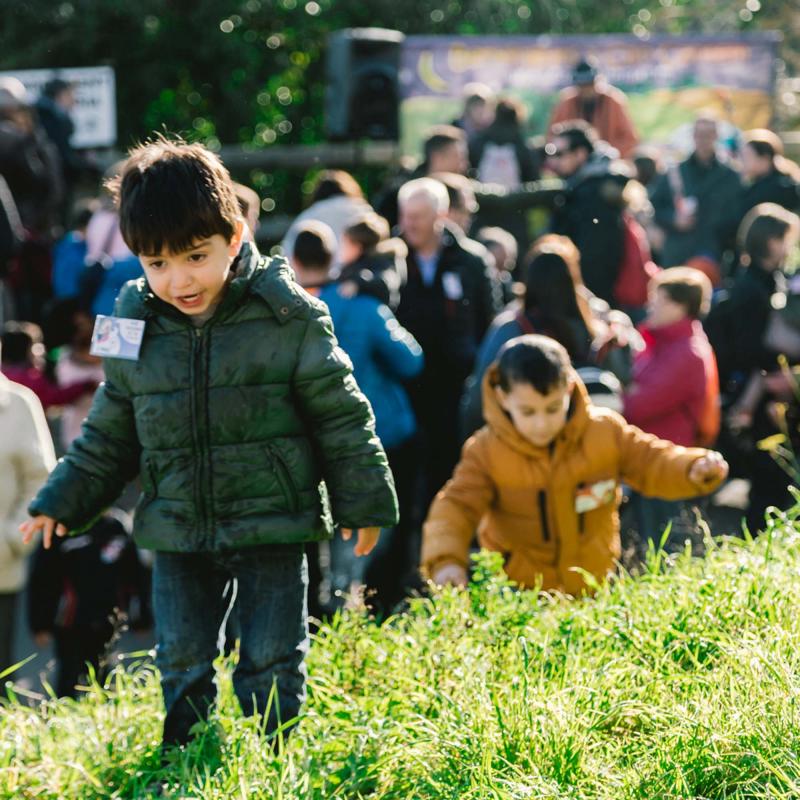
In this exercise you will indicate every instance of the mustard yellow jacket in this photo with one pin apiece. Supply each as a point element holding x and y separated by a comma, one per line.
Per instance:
<point>551,511</point>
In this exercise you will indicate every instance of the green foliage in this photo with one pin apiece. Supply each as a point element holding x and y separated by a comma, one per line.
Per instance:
<point>251,71</point>
<point>679,683</point>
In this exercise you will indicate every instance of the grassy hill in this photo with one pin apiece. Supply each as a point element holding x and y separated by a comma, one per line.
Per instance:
<point>682,682</point>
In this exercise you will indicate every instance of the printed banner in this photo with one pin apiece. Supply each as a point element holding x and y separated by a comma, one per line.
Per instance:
<point>669,80</point>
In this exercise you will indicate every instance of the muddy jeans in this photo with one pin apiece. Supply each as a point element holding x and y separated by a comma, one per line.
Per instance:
<point>190,602</point>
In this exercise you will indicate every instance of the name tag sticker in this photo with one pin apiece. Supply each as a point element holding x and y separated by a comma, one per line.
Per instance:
<point>451,283</point>
<point>595,495</point>
<point>117,337</point>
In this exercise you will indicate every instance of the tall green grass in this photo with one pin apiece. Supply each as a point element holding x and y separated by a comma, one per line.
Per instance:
<point>681,682</point>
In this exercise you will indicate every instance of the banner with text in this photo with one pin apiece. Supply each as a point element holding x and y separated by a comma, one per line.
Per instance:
<point>669,80</point>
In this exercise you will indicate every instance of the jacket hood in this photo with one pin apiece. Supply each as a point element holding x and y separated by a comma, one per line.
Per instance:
<point>501,425</point>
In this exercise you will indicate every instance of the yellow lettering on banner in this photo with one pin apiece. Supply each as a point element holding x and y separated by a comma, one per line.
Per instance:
<point>428,75</point>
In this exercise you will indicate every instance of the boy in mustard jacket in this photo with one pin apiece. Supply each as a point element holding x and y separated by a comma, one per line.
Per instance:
<point>542,477</point>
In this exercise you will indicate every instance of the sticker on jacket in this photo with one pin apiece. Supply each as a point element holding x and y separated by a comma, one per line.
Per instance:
<point>451,283</point>
<point>594,495</point>
<point>117,337</point>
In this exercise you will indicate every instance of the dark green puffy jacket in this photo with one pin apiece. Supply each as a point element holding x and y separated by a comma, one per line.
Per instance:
<point>232,427</point>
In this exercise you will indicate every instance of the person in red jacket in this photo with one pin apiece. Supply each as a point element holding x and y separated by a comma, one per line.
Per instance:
<point>23,362</point>
<point>675,388</point>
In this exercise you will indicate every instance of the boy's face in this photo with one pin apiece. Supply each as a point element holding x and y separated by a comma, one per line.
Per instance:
<point>662,310</point>
<point>539,418</point>
<point>194,279</point>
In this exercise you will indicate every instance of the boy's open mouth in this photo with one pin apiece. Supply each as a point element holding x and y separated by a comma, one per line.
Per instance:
<point>190,299</point>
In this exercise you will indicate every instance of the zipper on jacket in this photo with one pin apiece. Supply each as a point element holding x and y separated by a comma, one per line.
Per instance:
<point>581,523</point>
<point>198,417</point>
<point>543,514</point>
<point>285,480</point>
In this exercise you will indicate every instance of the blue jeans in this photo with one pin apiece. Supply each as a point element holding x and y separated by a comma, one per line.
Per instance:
<point>190,603</point>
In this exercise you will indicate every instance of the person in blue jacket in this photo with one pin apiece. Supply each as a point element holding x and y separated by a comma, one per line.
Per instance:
<point>384,355</point>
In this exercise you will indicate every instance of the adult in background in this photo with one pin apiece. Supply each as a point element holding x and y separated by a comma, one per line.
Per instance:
<point>445,151</point>
<point>337,201</point>
<point>690,199</point>
<point>478,108</point>
<point>499,154</point>
<point>30,165</point>
<point>768,177</point>
<point>591,214</point>
<point>737,328</point>
<point>447,304</point>
<point>604,107</point>
<point>54,109</point>
<point>26,458</point>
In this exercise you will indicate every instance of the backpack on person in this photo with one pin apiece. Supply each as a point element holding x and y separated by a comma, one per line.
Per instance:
<point>499,164</point>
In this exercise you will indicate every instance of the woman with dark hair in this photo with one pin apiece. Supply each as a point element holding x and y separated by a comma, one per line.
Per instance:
<point>769,177</point>
<point>337,200</point>
<point>557,305</point>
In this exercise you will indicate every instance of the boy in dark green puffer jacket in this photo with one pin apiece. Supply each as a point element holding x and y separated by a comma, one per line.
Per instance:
<point>250,436</point>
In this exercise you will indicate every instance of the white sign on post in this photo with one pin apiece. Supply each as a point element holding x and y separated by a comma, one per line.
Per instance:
<point>95,111</point>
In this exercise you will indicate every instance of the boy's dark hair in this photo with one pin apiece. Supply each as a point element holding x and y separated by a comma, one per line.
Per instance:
<point>440,138</point>
<point>335,182</point>
<point>368,232</point>
<point>313,248</point>
<point>579,133</point>
<point>762,224</point>
<point>687,286</point>
<point>537,360</point>
<point>171,195</point>
<point>18,339</point>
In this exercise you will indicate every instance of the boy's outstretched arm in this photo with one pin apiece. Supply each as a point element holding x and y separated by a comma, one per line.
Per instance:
<point>657,468</point>
<point>455,514</point>
<point>341,422</point>
<point>93,472</point>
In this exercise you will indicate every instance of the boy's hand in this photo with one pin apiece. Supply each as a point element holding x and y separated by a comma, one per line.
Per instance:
<point>708,469</point>
<point>367,539</point>
<point>47,525</point>
<point>450,574</point>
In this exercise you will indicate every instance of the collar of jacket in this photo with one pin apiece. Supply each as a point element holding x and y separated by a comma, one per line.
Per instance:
<point>270,279</point>
<point>766,279</point>
<point>682,329</point>
<point>502,426</point>
<point>704,165</point>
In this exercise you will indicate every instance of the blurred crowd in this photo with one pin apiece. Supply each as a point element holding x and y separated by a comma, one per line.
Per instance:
<point>669,283</point>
